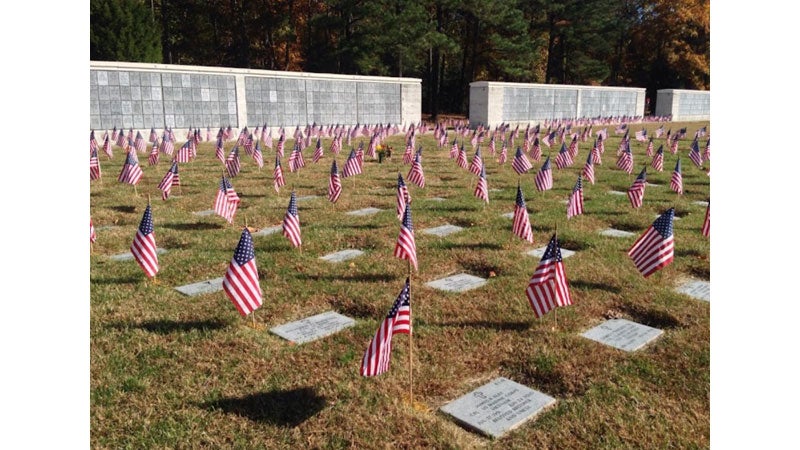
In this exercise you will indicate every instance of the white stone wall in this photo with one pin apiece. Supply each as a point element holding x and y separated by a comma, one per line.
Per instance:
<point>143,96</point>
<point>684,105</point>
<point>492,103</point>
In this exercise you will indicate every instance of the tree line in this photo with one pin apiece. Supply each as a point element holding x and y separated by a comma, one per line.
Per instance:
<point>656,44</point>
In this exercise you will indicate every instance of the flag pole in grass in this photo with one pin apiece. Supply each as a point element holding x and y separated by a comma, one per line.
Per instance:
<point>410,345</point>
<point>555,310</point>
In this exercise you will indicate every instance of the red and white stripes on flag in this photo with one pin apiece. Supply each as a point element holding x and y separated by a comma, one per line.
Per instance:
<point>232,163</point>
<point>482,188</point>
<point>92,232</point>
<point>241,279</point>
<point>94,165</point>
<point>131,173</point>
<point>379,352</point>
<point>143,247</point>
<point>544,178</point>
<point>520,164</point>
<point>575,202</point>
<point>351,166</point>
<point>658,159</point>
<point>277,175</point>
<point>548,287</point>
<point>406,246</point>
<point>655,249</point>
<point>521,226</point>
<point>706,230</point>
<point>461,160</point>
<point>334,184</point>
<point>695,155</point>
<point>477,162</point>
<point>291,223</point>
<point>318,153</point>
<point>588,168</point>
<point>416,175</point>
<point>676,182</point>
<point>227,201</point>
<point>403,197</point>
<point>636,191</point>
<point>171,178</point>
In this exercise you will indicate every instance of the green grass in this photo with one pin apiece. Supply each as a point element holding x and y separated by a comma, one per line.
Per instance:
<point>170,371</point>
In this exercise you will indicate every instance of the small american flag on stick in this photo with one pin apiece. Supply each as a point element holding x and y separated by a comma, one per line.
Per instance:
<point>291,223</point>
<point>548,288</point>
<point>544,178</point>
<point>636,191</point>
<point>143,247</point>
<point>379,352</point>
<point>406,246</point>
<point>241,279</point>
<point>522,224</point>
<point>575,202</point>
<point>654,249</point>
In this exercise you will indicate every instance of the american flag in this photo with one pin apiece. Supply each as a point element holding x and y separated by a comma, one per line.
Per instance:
<point>476,164</point>
<point>676,182</point>
<point>673,148</point>
<point>492,149</point>
<point>171,178</point>
<point>588,168</point>
<point>318,153</point>
<point>575,202</point>
<point>277,175</point>
<point>521,164</point>
<point>219,150</point>
<point>107,147</point>
<point>658,159</point>
<point>241,279</point>
<point>536,150</point>
<point>416,175</point>
<point>139,143</point>
<point>707,152</point>
<point>596,155</point>
<point>184,153</point>
<point>659,131</point>
<point>482,188</point>
<point>379,353</point>
<point>131,172</point>
<point>152,159</point>
<point>549,139</point>
<point>232,162</point>
<point>408,156</point>
<point>462,157</point>
<point>334,184</point>
<point>548,288</point>
<point>563,159</point>
<point>351,166</point>
<point>153,136</point>
<point>625,160</point>
<point>454,149</point>
<point>143,247</point>
<point>296,161</point>
<point>650,147</point>
<point>248,144</point>
<point>226,202</point>
<point>544,178</point>
<point>258,156</point>
<point>707,222</point>
<point>291,223</point>
<point>503,154</point>
<point>121,140</point>
<point>695,155</point>
<point>92,233</point>
<point>700,132</point>
<point>403,196</point>
<point>281,143</point>
<point>94,165</point>
<point>167,146</point>
<point>522,224</point>
<point>655,249</point>
<point>406,246</point>
<point>641,135</point>
<point>636,191</point>
<point>114,134</point>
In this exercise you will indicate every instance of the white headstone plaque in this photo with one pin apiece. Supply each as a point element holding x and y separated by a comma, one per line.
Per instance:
<point>498,407</point>
<point>203,287</point>
<point>701,203</point>
<point>269,230</point>
<point>495,190</point>
<point>207,212</point>
<point>364,212</point>
<point>616,233</point>
<point>437,199</point>
<point>343,255</point>
<point>457,283</point>
<point>617,193</point>
<point>129,256</point>
<point>306,197</point>
<point>443,230</point>
<point>508,215</point>
<point>700,290</point>
<point>623,334</point>
<point>539,252</point>
<point>313,328</point>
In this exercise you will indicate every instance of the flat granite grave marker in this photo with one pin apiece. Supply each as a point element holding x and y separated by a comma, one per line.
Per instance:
<point>623,334</point>
<point>508,215</point>
<point>701,203</point>
<point>616,233</point>
<point>497,407</point>
<point>343,255</point>
<point>207,212</point>
<point>364,212</point>
<point>437,199</point>
<point>269,230</point>
<point>698,289</point>
<point>129,256</point>
<point>307,197</point>
<point>539,252</point>
<point>617,193</point>
<point>457,283</point>
<point>443,230</point>
<point>313,328</point>
<point>203,287</point>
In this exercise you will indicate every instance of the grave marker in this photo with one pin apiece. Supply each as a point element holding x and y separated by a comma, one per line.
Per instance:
<point>508,215</point>
<point>269,230</point>
<point>306,197</point>
<point>343,255</point>
<point>616,233</point>
<point>457,283</point>
<point>202,287</point>
<point>313,328</point>
<point>698,289</point>
<point>443,230</point>
<point>207,212</point>
<point>364,212</point>
<point>539,252</point>
<point>617,193</point>
<point>498,407</point>
<point>623,334</point>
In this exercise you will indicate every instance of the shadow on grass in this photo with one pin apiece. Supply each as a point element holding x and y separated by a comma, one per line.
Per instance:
<point>688,252</point>
<point>471,246</point>
<point>286,408</point>
<point>368,277</point>
<point>119,280</point>
<point>172,326</point>
<point>589,286</point>
<point>193,226</point>
<point>453,208</point>
<point>363,226</point>
<point>700,272</point>
<point>123,209</point>
<point>495,325</point>
<point>651,318</point>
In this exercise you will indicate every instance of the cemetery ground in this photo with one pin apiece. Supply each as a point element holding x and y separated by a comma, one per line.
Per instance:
<point>175,371</point>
